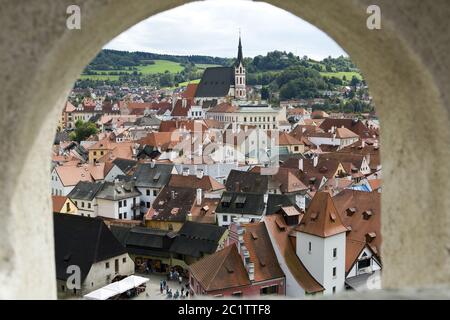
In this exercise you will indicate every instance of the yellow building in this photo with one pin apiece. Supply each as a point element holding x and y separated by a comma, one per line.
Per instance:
<point>63,204</point>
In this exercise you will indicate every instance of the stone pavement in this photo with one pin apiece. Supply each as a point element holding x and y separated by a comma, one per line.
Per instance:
<point>152,287</point>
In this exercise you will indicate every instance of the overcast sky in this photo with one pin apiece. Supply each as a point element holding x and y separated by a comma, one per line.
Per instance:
<point>212,28</point>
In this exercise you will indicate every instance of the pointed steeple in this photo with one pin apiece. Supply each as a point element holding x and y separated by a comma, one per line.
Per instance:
<point>240,58</point>
<point>321,219</point>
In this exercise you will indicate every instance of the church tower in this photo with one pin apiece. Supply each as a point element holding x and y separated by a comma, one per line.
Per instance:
<point>239,75</point>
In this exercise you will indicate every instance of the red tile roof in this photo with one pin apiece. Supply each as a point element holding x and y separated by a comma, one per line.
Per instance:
<point>322,218</point>
<point>221,270</point>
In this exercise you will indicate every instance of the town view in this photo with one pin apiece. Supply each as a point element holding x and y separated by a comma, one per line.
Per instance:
<point>195,170</point>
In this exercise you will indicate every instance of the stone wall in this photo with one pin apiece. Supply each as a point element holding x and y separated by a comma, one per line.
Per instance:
<point>406,65</point>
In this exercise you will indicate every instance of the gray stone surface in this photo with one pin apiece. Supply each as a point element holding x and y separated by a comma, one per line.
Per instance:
<point>406,65</point>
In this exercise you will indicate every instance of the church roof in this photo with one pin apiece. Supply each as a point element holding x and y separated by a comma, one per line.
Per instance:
<point>240,58</point>
<point>215,82</point>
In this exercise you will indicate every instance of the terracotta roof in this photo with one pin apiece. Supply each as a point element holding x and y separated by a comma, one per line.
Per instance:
<point>71,175</point>
<point>356,126</point>
<point>162,140</point>
<point>280,232</point>
<point>179,110</point>
<point>285,139</point>
<point>322,218</point>
<point>344,133</point>
<point>189,92</point>
<point>375,184</point>
<point>361,213</point>
<point>221,270</point>
<point>188,125</point>
<point>69,107</point>
<point>206,183</point>
<point>58,203</point>
<point>262,254</point>
<point>224,107</point>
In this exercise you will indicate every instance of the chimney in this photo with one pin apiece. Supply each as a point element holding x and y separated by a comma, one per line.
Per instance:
<point>200,173</point>
<point>173,194</point>
<point>315,161</point>
<point>199,196</point>
<point>363,144</point>
<point>300,164</point>
<point>153,163</point>
<point>184,102</point>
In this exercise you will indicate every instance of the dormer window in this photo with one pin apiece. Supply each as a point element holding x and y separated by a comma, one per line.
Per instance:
<point>367,214</point>
<point>351,211</point>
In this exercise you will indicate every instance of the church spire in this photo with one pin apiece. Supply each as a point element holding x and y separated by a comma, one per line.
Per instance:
<point>240,58</point>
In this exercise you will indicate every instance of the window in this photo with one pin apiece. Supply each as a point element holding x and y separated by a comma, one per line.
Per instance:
<point>89,205</point>
<point>335,253</point>
<point>334,290</point>
<point>296,148</point>
<point>67,206</point>
<point>108,278</point>
<point>237,294</point>
<point>107,265</point>
<point>309,247</point>
<point>124,203</point>
<point>225,218</point>
<point>334,272</point>
<point>120,204</point>
<point>125,215</point>
<point>95,153</point>
<point>269,290</point>
<point>148,192</point>
<point>363,263</point>
<point>120,216</point>
<point>124,260</point>
<point>82,204</point>
<point>148,204</point>
<point>155,193</point>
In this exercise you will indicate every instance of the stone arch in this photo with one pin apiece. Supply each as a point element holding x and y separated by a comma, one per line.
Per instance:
<point>405,63</point>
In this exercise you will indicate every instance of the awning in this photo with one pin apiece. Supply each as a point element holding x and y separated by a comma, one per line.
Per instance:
<point>116,288</point>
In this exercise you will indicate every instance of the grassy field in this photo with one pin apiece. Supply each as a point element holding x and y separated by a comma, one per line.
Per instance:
<point>160,66</point>
<point>204,65</point>
<point>348,75</point>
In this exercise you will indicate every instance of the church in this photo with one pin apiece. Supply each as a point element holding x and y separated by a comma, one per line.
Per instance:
<point>222,83</point>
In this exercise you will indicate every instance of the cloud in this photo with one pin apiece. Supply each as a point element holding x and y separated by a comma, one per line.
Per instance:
<point>212,28</point>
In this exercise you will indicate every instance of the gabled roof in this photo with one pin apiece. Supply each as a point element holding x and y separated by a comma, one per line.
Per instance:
<point>124,164</point>
<point>82,241</point>
<point>206,183</point>
<point>241,203</point>
<point>85,190</point>
<point>58,203</point>
<point>179,110</point>
<point>118,190</point>
<point>215,82</point>
<point>356,126</point>
<point>279,232</point>
<point>361,212</point>
<point>70,175</point>
<point>262,255</point>
<point>149,175</point>
<point>197,239</point>
<point>221,270</point>
<point>189,92</point>
<point>322,218</point>
<point>245,181</point>
<point>172,204</point>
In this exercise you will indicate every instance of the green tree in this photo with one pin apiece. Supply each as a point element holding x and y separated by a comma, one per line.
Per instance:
<point>83,130</point>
